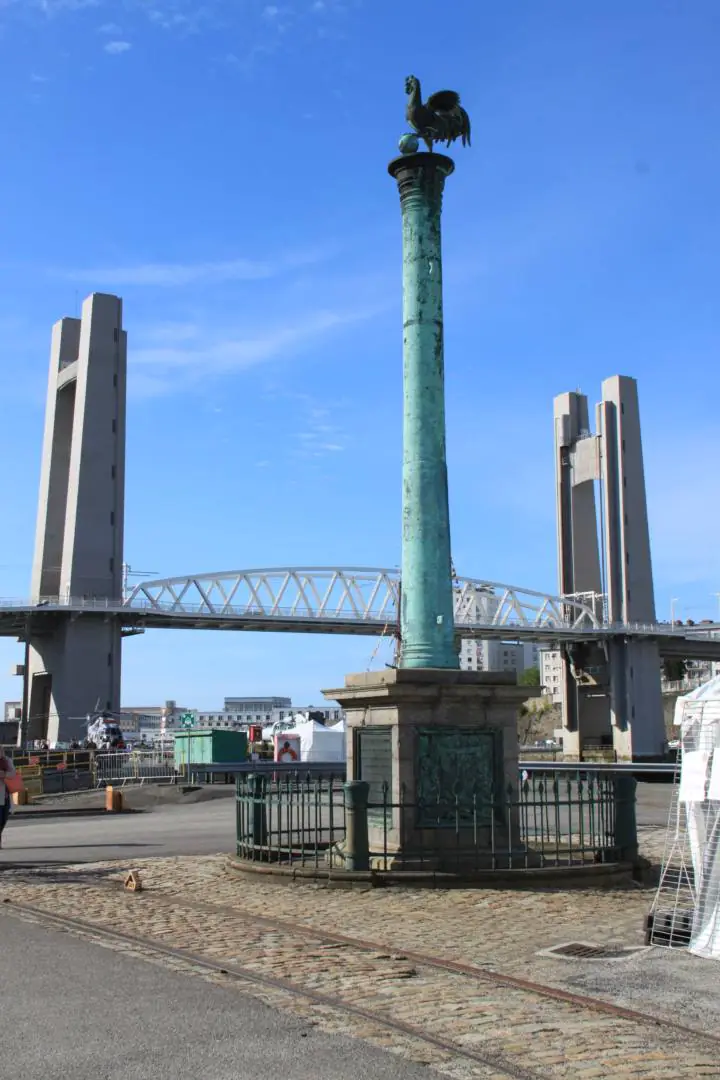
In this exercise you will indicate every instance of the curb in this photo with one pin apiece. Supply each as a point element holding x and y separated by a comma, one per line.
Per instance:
<point>601,876</point>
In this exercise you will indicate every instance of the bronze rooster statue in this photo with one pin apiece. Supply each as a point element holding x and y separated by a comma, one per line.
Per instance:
<point>441,119</point>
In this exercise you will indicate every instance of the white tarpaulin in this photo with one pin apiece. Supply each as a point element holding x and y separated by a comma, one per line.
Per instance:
<point>698,716</point>
<point>704,699</point>
<point>320,743</point>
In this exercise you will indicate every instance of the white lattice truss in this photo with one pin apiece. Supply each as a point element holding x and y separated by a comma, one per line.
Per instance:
<point>354,594</point>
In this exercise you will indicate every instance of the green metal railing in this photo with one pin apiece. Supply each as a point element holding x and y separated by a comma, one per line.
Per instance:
<point>546,820</point>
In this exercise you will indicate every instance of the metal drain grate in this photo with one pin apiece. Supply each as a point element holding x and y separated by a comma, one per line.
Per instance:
<point>581,950</point>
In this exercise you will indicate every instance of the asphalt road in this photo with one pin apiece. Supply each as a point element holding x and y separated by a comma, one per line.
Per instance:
<point>79,1010</point>
<point>653,803</point>
<point>201,828</point>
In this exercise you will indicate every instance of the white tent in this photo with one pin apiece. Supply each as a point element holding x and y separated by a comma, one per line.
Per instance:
<point>705,697</point>
<point>698,716</point>
<point>320,743</point>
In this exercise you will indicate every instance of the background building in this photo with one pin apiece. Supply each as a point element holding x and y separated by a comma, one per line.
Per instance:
<point>149,718</point>
<point>257,710</point>
<point>10,724</point>
<point>237,713</point>
<point>480,654</point>
<point>12,710</point>
<point>241,712</point>
<point>493,655</point>
<point>551,674</point>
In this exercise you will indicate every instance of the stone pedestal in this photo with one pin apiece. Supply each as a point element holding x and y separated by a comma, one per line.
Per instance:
<point>439,749</point>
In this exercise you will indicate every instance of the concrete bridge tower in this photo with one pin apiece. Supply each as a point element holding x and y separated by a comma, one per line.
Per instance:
<point>75,666</point>
<point>611,694</point>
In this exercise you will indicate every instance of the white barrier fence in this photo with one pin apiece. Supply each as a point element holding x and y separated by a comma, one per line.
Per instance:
<point>135,767</point>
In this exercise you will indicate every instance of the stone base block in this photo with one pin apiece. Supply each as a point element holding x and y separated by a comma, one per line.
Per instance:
<point>439,749</point>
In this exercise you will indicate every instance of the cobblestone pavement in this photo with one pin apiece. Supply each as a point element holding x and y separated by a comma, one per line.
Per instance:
<point>195,905</point>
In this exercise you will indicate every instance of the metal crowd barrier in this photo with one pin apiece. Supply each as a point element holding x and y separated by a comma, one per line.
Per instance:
<point>54,780</point>
<point>228,771</point>
<point>134,767</point>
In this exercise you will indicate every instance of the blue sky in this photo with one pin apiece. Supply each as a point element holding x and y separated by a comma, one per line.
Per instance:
<point>222,166</point>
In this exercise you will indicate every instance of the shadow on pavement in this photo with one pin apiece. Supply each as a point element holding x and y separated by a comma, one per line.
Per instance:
<point>72,847</point>
<point>41,872</point>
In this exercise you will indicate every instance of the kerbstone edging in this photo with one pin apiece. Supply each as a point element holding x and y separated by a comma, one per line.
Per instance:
<point>598,876</point>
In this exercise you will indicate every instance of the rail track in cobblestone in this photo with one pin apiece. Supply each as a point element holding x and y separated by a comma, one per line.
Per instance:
<point>493,1061</point>
<point>458,1017</point>
<point>425,960</point>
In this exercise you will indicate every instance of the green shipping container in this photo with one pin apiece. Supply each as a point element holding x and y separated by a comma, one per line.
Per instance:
<point>210,747</point>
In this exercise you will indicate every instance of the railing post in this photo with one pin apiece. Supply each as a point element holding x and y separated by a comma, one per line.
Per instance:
<point>257,784</point>
<point>357,848</point>
<point>626,835</point>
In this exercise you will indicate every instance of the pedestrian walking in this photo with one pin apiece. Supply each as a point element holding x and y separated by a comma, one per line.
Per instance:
<point>7,770</point>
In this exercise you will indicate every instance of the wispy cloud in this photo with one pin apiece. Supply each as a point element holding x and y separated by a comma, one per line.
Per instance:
<point>116,48</point>
<point>58,7</point>
<point>322,433</point>
<point>188,14</point>
<point>237,352</point>
<point>284,28</point>
<point>180,15</point>
<point>172,333</point>
<point>144,385</point>
<point>319,438</point>
<point>262,29</point>
<point>173,275</point>
<point>177,361</point>
<point>187,22</point>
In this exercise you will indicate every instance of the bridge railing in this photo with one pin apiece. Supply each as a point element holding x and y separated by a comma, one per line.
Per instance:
<point>509,620</point>
<point>681,686</point>
<point>368,594</point>
<point>138,603</point>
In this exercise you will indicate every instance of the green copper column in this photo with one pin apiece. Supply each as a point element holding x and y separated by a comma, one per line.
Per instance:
<point>426,618</point>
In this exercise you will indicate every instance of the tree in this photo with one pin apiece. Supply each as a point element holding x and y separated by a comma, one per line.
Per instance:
<point>535,720</point>
<point>674,670</point>
<point>529,725</point>
<point>529,677</point>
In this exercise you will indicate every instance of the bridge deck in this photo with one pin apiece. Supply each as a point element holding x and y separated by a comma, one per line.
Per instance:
<point>35,620</point>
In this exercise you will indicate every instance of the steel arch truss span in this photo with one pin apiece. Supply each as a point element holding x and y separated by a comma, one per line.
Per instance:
<point>352,594</point>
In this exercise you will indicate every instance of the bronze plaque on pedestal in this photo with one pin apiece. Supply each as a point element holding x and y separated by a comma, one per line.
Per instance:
<point>457,773</point>
<point>373,750</point>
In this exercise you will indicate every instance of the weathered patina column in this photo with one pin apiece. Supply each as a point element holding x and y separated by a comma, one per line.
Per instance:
<point>435,744</point>
<point>426,618</point>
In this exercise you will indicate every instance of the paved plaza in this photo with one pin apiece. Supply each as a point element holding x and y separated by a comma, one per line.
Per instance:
<point>79,1018</point>
<point>74,866</point>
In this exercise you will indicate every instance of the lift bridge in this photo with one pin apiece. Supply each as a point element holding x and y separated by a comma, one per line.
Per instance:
<point>351,600</point>
<point>79,611</point>
<point>317,600</point>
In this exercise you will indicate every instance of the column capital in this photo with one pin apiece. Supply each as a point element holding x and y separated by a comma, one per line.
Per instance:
<point>421,175</point>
